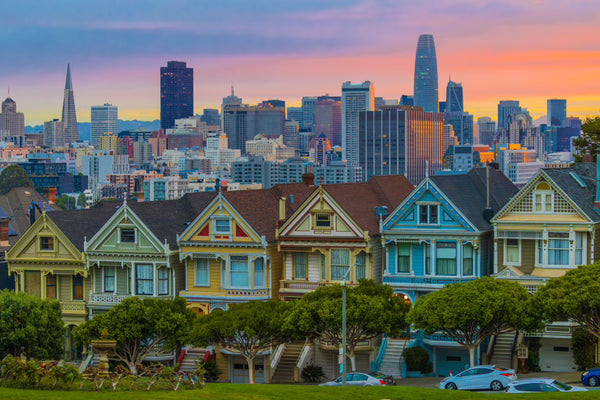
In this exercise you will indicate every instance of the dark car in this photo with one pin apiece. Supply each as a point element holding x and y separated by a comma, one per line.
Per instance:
<point>591,377</point>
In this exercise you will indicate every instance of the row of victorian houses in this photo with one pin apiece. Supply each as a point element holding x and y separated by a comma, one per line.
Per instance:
<point>219,248</point>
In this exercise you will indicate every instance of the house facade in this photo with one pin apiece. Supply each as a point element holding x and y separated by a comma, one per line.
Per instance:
<point>439,235</point>
<point>549,228</point>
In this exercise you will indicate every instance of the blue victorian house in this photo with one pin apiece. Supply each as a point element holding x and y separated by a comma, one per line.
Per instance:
<point>441,234</point>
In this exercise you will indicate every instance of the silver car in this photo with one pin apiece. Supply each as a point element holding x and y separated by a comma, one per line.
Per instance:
<point>541,385</point>
<point>359,379</point>
<point>483,377</point>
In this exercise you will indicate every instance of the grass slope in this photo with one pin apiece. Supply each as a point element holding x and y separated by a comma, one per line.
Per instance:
<point>287,392</point>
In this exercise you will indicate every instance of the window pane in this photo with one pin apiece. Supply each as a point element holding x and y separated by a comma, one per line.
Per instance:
<point>323,220</point>
<point>51,286</point>
<point>259,273</point>
<point>239,271</point>
<point>446,259</point>
<point>427,249</point>
<point>468,259</point>
<point>361,268</point>
<point>340,262</point>
<point>144,279</point>
<point>323,267</point>
<point>403,258</point>
<point>433,214</point>
<point>202,274</point>
<point>127,236</point>
<point>300,265</point>
<point>109,279</point>
<point>423,217</point>
<point>222,225</point>
<point>579,248</point>
<point>512,251</point>
<point>77,287</point>
<point>558,251</point>
<point>163,281</point>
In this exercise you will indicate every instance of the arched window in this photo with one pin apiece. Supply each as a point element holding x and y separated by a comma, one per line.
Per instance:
<point>543,198</point>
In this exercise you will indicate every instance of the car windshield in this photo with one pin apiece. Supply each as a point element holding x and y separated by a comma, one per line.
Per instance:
<point>561,385</point>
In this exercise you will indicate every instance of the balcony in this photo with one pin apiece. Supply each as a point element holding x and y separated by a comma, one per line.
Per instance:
<point>106,299</point>
<point>301,286</point>
<point>73,307</point>
<point>425,282</point>
<point>249,292</point>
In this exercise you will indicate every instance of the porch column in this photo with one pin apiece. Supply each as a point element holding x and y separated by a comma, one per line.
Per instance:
<point>433,258</point>
<point>42,285</point>
<point>544,244</point>
<point>154,280</point>
<point>495,244</point>
<point>572,246</point>
<point>132,282</point>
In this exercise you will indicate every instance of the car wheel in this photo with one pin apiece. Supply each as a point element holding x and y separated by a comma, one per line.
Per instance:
<point>496,386</point>
<point>451,386</point>
<point>593,381</point>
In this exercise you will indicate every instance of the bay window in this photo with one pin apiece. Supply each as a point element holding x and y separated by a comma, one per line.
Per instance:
<point>109,279</point>
<point>340,262</point>
<point>403,258</point>
<point>239,271</point>
<point>579,246</point>
<point>445,263</point>
<point>513,251</point>
<point>558,248</point>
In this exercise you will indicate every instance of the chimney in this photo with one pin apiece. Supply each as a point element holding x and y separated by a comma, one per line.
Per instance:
<point>282,208</point>
<point>308,179</point>
<point>488,213</point>
<point>51,194</point>
<point>597,199</point>
<point>4,230</point>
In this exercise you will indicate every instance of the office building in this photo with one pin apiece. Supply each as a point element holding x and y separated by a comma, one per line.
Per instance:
<point>272,103</point>
<point>406,100</point>
<point>454,97</point>
<point>556,112</point>
<point>110,142</point>
<point>104,120</point>
<point>486,129</point>
<point>12,123</point>
<point>242,123</point>
<point>211,116</point>
<point>308,112</point>
<point>294,114</point>
<point>69,115</point>
<point>291,136</point>
<point>400,140</point>
<point>426,77</point>
<point>328,120</point>
<point>176,93</point>
<point>356,97</point>
<point>54,133</point>
<point>462,123</point>
<point>506,108</point>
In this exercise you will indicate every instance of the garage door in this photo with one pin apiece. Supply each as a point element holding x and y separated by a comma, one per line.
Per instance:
<point>556,355</point>
<point>241,374</point>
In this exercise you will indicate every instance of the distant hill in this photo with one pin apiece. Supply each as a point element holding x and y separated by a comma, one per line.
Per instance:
<point>85,127</point>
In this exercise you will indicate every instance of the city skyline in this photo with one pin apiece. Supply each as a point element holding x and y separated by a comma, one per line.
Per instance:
<point>526,51</point>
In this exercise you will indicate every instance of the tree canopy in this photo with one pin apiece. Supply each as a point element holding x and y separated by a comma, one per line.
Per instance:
<point>573,296</point>
<point>589,141</point>
<point>66,202</point>
<point>31,326</point>
<point>473,311</point>
<point>81,200</point>
<point>139,327</point>
<point>13,176</point>
<point>250,328</point>
<point>371,310</point>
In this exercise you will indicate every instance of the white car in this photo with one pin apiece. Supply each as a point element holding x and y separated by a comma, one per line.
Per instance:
<point>483,377</point>
<point>360,379</point>
<point>541,385</point>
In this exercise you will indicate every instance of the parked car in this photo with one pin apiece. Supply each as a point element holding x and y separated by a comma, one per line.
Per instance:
<point>591,377</point>
<point>482,377</point>
<point>541,385</point>
<point>360,379</point>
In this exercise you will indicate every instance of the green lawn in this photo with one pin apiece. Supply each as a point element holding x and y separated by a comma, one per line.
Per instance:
<point>286,392</point>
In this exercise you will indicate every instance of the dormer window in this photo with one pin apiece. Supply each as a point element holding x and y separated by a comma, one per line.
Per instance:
<point>323,220</point>
<point>543,198</point>
<point>47,243</point>
<point>428,214</point>
<point>222,225</point>
<point>127,235</point>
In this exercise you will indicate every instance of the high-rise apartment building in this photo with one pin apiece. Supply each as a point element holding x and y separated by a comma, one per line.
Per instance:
<point>104,120</point>
<point>176,93</point>
<point>12,123</point>
<point>356,97</point>
<point>426,76</point>
<point>69,115</point>
<point>400,140</point>
<point>328,120</point>
<point>308,112</point>
<point>506,108</point>
<point>557,112</point>
<point>454,97</point>
<point>54,133</point>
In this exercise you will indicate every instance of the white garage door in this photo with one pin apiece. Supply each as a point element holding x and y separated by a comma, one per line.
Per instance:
<point>556,355</point>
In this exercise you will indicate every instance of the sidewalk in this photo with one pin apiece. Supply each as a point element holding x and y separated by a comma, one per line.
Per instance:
<point>566,377</point>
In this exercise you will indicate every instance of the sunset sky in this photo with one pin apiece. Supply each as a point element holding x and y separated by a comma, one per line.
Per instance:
<point>522,50</point>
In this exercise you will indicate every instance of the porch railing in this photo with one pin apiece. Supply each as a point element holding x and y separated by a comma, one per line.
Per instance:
<point>73,307</point>
<point>425,280</point>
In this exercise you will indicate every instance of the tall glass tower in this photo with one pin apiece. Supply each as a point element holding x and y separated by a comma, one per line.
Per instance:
<point>176,93</point>
<point>426,77</point>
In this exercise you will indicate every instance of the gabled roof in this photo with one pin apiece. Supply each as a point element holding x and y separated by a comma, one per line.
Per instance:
<point>468,193</point>
<point>583,197</point>
<point>360,199</point>
<point>77,225</point>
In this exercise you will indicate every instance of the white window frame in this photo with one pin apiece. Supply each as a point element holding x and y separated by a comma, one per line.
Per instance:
<point>104,276</point>
<point>214,226</point>
<point>428,205</point>
<point>505,258</point>
<point>542,193</point>
<point>196,284</point>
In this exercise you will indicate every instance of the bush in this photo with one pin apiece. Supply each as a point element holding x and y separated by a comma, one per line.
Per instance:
<point>584,344</point>
<point>532,364</point>
<point>417,359</point>
<point>211,370</point>
<point>312,373</point>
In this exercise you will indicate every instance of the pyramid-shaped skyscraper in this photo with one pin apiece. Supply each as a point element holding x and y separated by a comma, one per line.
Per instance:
<point>69,116</point>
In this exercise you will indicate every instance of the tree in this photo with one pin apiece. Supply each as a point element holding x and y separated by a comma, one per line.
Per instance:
<point>573,296</point>
<point>589,141</point>
<point>139,327</point>
<point>371,310</point>
<point>13,176</point>
<point>81,200</point>
<point>250,328</point>
<point>471,312</point>
<point>31,326</point>
<point>66,202</point>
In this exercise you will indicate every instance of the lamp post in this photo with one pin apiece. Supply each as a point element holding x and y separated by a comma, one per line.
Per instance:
<point>346,275</point>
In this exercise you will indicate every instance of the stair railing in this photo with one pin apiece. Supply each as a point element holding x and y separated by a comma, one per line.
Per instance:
<point>375,365</point>
<point>304,359</point>
<point>85,363</point>
<point>275,357</point>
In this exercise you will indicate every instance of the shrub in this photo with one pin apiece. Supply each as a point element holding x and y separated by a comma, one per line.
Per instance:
<point>312,373</point>
<point>584,344</point>
<point>211,370</point>
<point>417,359</point>
<point>532,364</point>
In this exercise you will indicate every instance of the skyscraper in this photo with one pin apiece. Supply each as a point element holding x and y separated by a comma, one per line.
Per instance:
<point>104,120</point>
<point>505,109</point>
<point>356,97</point>
<point>426,77</point>
<point>69,116</point>
<point>557,112</point>
<point>308,112</point>
<point>454,97</point>
<point>54,133</point>
<point>328,120</point>
<point>12,123</point>
<point>176,93</point>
